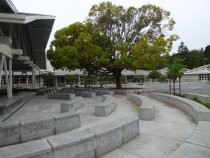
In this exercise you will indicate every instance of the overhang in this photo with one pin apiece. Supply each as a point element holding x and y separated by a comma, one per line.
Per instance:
<point>39,28</point>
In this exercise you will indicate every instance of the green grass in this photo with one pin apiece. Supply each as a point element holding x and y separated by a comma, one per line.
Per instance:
<point>204,104</point>
<point>207,105</point>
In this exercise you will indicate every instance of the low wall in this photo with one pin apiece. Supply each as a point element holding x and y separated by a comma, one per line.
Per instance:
<point>30,129</point>
<point>202,97</point>
<point>197,145</point>
<point>35,128</point>
<point>72,105</point>
<point>84,143</point>
<point>146,110</point>
<point>9,133</point>
<point>131,91</point>
<point>66,122</point>
<point>43,91</point>
<point>197,111</point>
<point>102,92</point>
<point>108,136</point>
<point>33,149</point>
<point>7,104</point>
<point>85,94</point>
<point>56,95</point>
<point>130,127</point>
<point>106,107</point>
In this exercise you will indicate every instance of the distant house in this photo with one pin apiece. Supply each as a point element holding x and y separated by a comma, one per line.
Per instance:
<point>198,74</point>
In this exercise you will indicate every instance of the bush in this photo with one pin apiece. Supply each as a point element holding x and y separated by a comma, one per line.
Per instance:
<point>154,75</point>
<point>49,79</point>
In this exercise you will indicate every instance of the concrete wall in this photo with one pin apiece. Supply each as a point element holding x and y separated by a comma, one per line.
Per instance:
<point>130,127</point>
<point>202,97</point>
<point>72,105</point>
<point>8,104</point>
<point>146,110</point>
<point>33,149</point>
<point>73,144</point>
<point>108,136</point>
<point>190,78</point>
<point>197,111</point>
<point>35,128</point>
<point>43,91</point>
<point>66,122</point>
<point>106,107</point>
<point>30,129</point>
<point>102,92</point>
<point>85,94</point>
<point>84,143</point>
<point>9,133</point>
<point>65,96</point>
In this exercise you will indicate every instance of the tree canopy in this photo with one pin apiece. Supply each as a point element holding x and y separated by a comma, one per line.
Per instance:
<point>114,38</point>
<point>192,58</point>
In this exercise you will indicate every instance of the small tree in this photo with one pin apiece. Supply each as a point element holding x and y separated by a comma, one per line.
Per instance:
<point>71,79</point>
<point>154,75</point>
<point>49,79</point>
<point>175,70</point>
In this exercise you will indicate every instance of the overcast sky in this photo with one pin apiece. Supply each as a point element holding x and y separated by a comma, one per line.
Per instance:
<point>192,16</point>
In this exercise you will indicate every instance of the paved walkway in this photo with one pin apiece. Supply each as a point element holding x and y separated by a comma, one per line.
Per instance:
<point>158,138</point>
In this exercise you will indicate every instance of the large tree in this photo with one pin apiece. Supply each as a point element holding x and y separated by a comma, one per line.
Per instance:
<point>207,53</point>
<point>114,38</point>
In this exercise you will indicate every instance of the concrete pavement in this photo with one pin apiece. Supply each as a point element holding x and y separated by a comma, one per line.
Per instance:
<point>158,138</point>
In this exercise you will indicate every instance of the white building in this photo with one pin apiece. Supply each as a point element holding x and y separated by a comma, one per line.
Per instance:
<point>198,74</point>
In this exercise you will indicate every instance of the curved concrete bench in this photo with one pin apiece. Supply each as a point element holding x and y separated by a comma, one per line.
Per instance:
<point>198,145</point>
<point>146,110</point>
<point>43,91</point>
<point>197,111</point>
<point>106,107</point>
<point>35,128</point>
<point>72,105</point>
<point>101,92</point>
<point>90,142</point>
<point>85,94</point>
<point>56,95</point>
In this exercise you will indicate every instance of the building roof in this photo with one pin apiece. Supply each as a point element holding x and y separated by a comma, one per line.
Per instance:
<point>205,69</point>
<point>38,27</point>
<point>7,6</point>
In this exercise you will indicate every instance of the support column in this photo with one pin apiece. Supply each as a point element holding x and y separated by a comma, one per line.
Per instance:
<point>9,95</point>
<point>56,81</point>
<point>10,78</point>
<point>1,67</point>
<point>27,82</point>
<point>79,81</point>
<point>33,78</point>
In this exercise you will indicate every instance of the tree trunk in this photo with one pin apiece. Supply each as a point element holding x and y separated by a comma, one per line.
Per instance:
<point>174,86</point>
<point>170,86</point>
<point>179,86</point>
<point>118,79</point>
